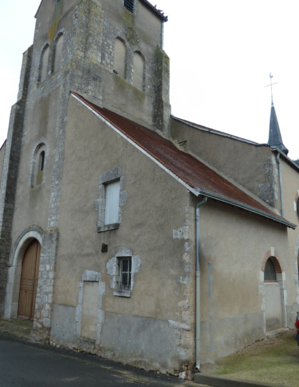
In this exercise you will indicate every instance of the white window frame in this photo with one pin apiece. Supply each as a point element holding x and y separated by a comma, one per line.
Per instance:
<point>112,191</point>
<point>110,177</point>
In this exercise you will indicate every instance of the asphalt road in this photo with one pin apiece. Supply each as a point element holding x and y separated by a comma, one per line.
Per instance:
<point>24,365</point>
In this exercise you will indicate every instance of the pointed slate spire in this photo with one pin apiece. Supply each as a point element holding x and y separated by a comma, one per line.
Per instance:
<point>274,132</point>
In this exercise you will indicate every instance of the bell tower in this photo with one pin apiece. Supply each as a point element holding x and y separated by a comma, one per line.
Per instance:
<point>110,52</point>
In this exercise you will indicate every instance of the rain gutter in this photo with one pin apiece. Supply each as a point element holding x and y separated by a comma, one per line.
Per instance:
<point>254,210</point>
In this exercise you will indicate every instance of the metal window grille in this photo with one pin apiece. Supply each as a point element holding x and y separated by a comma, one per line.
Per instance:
<point>129,4</point>
<point>125,274</point>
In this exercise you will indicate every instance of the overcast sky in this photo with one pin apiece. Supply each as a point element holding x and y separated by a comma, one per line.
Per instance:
<point>221,54</point>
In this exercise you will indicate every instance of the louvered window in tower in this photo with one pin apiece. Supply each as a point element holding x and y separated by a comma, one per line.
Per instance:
<point>129,4</point>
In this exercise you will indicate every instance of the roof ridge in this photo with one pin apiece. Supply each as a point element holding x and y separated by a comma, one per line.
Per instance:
<point>215,131</point>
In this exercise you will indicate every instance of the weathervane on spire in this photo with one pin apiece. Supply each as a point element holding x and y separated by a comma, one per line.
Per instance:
<point>271,84</point>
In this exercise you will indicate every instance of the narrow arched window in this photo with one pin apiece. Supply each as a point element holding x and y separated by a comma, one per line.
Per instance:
<point>44,64</point>
<point>138,71</point>
<point>41,161</point>
<point>270,272</point>
<point>119,63</point>
<point>58,53</point>
<point>38,165</point>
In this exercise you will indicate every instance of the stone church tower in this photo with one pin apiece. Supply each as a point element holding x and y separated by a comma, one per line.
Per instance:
<point>111,53</point>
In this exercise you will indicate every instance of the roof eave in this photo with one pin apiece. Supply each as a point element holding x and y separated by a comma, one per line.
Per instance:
<point>285,157</point>
<point>3,144</point>
<point>216,132</point>
<point>38,8</point>
<point>157,11</point>
<point>243,206</point>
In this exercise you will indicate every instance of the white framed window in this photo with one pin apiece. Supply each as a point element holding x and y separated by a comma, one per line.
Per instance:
<point>112,197</point>
<point>112,203</point>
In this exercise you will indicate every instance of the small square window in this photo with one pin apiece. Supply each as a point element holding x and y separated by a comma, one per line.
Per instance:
<point>129,4</point>
<point>125,273</point>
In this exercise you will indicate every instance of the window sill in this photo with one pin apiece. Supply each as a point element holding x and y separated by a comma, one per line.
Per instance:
<point>108,227</point>
<point>122,293</point>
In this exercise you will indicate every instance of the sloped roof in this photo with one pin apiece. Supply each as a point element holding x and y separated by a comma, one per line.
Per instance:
<point>196,176</point>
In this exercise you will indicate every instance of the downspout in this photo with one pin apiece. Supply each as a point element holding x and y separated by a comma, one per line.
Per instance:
<point>280,183</point>
<point>197,318</point>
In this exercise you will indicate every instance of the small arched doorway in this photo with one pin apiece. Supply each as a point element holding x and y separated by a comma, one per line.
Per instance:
<point>273,293</point>
<point>29,281</point>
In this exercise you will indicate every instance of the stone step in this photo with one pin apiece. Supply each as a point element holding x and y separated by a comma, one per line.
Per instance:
<point>276,332</point>
<point>16,328</point>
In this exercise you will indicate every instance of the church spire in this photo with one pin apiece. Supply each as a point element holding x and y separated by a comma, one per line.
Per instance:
<point>275,139</point>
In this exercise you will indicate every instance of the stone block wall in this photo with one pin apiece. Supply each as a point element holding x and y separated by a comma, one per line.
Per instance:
<point>10,172</point>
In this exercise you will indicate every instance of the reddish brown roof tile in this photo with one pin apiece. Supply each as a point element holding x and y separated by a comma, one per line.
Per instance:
<point>186,167</point>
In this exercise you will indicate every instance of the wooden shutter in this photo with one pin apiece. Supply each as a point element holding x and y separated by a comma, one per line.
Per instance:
<point>29,281</point>
<point>112,202</point>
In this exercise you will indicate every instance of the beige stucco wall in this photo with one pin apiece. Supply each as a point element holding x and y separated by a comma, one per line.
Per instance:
<point>290,181</point>
<point>156,206</point>
<point>233,247</point>
<point>158,225</point>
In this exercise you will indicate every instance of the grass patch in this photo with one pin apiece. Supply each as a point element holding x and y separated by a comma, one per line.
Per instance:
<point>273,361</point>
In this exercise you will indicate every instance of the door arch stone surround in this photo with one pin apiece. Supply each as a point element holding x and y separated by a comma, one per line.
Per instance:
<point>280,274</point>
<point>15,268</point>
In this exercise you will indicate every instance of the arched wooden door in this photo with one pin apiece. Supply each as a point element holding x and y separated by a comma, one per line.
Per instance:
<point>29,281</point>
